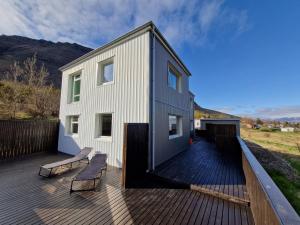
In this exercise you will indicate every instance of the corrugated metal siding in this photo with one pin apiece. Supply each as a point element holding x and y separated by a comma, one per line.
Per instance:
<point>169,101</point>
<point>127,98</point>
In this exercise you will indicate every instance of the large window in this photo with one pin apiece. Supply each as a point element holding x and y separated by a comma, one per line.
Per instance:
<point>174,79</point>
<point>105,72</point>
<point>175,126</point>
<point>75,88</point>
<point>73,124</point>
<point>103,125</point>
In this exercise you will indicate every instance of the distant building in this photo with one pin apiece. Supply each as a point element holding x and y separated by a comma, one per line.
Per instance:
<point>287,129</point>
<point>197,124</point>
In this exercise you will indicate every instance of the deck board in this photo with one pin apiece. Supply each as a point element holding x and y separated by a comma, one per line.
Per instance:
<point>27,198</point>
<point>205,166</point>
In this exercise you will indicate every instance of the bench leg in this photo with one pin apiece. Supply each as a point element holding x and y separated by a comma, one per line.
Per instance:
<point>50,172</point>
<point>40,171</point>
<point>71,189</point>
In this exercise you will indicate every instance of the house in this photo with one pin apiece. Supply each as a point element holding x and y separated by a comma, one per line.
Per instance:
<point>287,129</point>
<point>197,124</point>
<point>136,78</point>
<point>226,122</point>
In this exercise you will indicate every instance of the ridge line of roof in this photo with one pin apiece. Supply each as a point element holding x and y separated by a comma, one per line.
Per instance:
<point>149,26</point>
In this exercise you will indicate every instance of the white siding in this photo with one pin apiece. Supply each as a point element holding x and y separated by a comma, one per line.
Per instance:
<point>127,98</point>
<point>169,101</point>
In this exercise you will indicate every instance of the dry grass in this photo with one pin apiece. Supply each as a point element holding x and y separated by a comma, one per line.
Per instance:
<point>283,142</point>
<point>279,154</point>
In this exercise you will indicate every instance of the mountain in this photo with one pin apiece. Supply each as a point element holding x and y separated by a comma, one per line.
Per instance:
<point>201,112</point>
<point>53,55</point>
<point>289,119</point>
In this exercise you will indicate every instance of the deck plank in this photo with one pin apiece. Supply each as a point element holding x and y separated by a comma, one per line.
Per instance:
<point>27,198</point>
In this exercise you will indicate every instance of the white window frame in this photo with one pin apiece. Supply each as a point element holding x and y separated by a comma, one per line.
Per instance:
<point>100,71</point>
<point>173,71</point>
<point>178,126</point>
<point>98,127</point>
<point>75,78</point>
<point>70,121</point>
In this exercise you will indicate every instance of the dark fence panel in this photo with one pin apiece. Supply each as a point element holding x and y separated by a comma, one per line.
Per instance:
<point>135,153</point>
<point>23,137</point>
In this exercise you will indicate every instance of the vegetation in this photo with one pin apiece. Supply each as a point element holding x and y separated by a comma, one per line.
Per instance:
<point>289,188</point>
<point>24,93</point>
<point>279,154</point>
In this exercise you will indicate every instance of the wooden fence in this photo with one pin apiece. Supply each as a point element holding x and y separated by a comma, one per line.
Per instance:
<point>268,204</point>
<point>23,137</point>
<point>135,153</point>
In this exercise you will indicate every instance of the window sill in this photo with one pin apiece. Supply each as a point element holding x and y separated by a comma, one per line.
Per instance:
<point>174,136</point>
<point>105,84</point>
<point>104,139</point>
<point>73,103</point>
<point>72,135</point>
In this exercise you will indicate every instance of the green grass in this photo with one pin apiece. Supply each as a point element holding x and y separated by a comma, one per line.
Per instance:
<point>295,163</point>
<point>291,190</point>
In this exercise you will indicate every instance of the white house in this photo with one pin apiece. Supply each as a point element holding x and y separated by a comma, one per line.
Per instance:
<point>136,78</point>
<point>287,129</point>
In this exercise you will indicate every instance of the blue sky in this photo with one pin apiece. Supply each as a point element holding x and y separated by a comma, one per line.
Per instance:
<point>244,55</point>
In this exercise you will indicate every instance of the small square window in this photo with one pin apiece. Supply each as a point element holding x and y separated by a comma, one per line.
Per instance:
<point>105,72</point>
<point>103,125</point>
<point>73,124</point>
<point>174,79</point>
<point>175,126</point>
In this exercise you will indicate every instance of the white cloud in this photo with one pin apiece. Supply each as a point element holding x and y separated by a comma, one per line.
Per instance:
<point>91,22</point>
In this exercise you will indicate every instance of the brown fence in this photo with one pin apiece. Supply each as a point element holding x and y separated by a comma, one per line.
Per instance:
<point>23,137</point>
<point>268,204</point>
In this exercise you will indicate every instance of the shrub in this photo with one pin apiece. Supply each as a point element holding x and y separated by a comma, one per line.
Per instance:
<point>266,129</point>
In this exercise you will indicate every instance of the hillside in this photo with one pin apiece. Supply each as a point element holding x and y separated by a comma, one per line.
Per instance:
<point>201,112</point>
<point>53,55</point>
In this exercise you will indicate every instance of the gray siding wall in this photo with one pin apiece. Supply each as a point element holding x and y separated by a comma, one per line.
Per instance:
<point>169,101</point>
<point>127,98</point>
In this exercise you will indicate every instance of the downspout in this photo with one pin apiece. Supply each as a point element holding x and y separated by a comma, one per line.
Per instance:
<point>151,163</point>
<point>153,98</point>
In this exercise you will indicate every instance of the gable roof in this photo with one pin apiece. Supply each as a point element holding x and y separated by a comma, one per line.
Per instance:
<point>131,34</point>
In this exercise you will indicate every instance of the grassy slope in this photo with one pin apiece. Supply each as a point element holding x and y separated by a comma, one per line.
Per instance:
<point>282,145</point>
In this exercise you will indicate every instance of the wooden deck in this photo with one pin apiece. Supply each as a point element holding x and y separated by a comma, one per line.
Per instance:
<point>205,167</point>
<point>27,198</point>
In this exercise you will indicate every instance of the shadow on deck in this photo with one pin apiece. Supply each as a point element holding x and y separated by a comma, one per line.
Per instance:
<point>27,198</point>
<point>205,168</point>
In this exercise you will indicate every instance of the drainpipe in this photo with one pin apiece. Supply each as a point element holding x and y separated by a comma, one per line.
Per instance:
<point>153,99</point>
<point>151,154</point>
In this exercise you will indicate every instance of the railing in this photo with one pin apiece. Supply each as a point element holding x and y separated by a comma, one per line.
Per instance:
<point>268,204</point>
<point>23,137</point>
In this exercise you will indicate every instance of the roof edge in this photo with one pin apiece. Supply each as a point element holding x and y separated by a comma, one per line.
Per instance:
<point>149,26</point>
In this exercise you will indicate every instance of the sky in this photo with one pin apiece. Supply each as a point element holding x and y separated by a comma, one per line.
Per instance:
<point>244,56</point>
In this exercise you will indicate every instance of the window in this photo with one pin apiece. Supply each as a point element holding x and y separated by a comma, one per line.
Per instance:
<point>103,125</point>
<point>75,90</point>
<point>105,72</point>
<point>174,79</point>
<point>175,126</point>
<point>73,124</point>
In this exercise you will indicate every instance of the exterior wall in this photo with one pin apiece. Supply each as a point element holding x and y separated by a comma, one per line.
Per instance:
<point>169,101</point>
<point>220,121</point>
<point>127,98</point>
